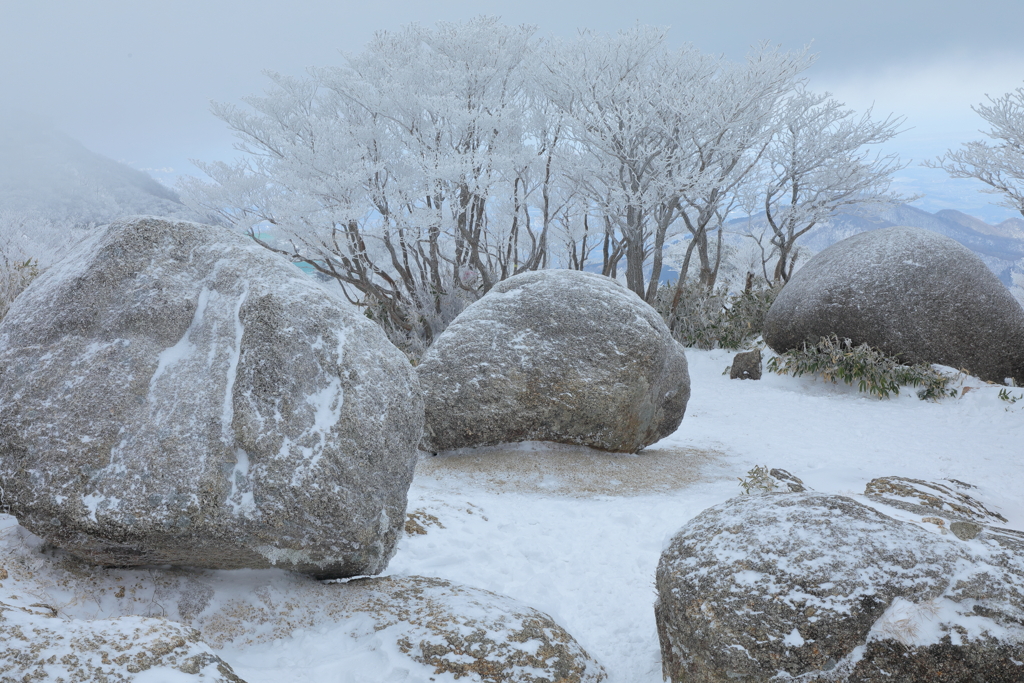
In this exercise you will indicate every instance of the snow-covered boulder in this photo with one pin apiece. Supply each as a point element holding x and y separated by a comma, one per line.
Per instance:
<point>910,292</point>
<point>554,355</point>
<point>419,624</point>
<point>38,645</point>
<point>821,587</point>
<point>926,497</point>
<point>409,627</point>
<point>64,619</point>
<point>171,393</point>
<point>460,631</point>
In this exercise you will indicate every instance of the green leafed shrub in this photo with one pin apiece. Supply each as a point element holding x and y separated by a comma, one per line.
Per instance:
<point>871,370</point>
<point>758,480</point>
<point>1005,395</point>
<point>709,319</point>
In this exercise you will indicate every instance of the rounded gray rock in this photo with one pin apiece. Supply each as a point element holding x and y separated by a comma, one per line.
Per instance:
<point>172,393</point>
<point>554,355</point>
<point>816,587</point>
<point>911,293</point>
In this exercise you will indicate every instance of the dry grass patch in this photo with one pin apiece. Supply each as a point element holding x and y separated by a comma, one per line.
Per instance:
<point>575,471</point>
<point>418,521</point>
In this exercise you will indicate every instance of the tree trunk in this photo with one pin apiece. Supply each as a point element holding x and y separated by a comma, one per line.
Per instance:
<point>635,265</point>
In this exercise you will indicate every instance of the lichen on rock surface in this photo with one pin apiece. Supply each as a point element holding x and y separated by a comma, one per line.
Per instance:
<point>172,393</point>
<point>36,645</point>
<point>557,355</point>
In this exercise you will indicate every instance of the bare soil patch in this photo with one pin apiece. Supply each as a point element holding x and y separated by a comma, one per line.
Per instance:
<point>575,471</point>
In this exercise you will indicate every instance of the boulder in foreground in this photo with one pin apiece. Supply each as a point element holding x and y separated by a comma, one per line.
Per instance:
<point>465,631</point>
<point>172,393</point>
<point>554,355</point>
<point>38,646</point>
<point>819,587</point>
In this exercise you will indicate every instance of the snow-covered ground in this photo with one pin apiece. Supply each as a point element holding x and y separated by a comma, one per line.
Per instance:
<point>578,534</point>
<point>589,559</point>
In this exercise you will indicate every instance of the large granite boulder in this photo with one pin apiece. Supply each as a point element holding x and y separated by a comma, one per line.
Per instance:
<point>171,393</point>
<point>554,355</point>
<point>911,293</point>
<point>820,587</point>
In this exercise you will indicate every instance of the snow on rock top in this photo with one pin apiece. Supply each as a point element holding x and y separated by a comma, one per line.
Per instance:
<point>171,393</point>
<point>34,645</point>
<point>555,355</point>
<point>928,497</point>
<point>910,292</point>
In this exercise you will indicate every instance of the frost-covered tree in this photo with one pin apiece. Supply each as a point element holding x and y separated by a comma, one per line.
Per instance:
<point>999,165</point>
<point>17,270</point>
<point>617,96</point>
<point>819,161</point>
<point>30,242</point>
<point>725,137</point>
<point>665,138</point>
<point>440,161</point>
<point>416,175</point>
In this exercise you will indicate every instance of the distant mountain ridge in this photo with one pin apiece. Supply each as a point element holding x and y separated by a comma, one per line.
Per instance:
<point>47,173</point>
<point>1000,246</point>
<point>1011,227</point>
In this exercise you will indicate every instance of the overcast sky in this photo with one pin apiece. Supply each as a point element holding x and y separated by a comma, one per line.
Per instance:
<point>133,79</point>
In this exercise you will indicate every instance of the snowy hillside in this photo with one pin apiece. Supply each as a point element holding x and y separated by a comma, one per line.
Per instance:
<point>574,533</point>
<point>44,171</point>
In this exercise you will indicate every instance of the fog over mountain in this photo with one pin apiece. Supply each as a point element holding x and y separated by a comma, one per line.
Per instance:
<point>45,173</point>
<point>133,80</point>
<point>53,191</point>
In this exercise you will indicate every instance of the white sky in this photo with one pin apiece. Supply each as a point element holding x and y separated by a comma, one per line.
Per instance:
<point>133,79</point>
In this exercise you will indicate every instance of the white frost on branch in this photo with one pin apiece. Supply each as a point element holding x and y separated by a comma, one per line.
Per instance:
<point>440,161</point>
<point>999,165</point>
